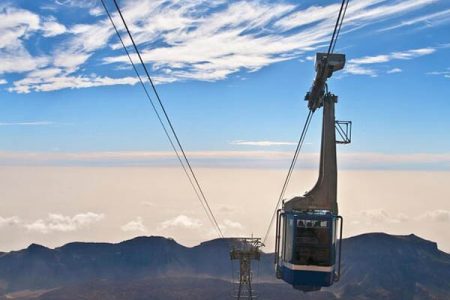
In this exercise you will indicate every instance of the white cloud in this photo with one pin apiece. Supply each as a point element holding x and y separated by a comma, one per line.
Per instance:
<point>232,224</point>
<point>199,39</point>
<point>39,84</point>
<point>243,36</point>
<point>148,203</point>
<point>96,11</point>
<point>381,216</point>
<point>38,226</point>
<point>358,12</point>
<point>230,228</point>
<point>310,15</point>
<point>429,20</point>
<point>401,55</point>
<point>439,215</point>
<point>77,3</point>
<point>375,217</point>
<point>357,66</point>
<point>61,223</point>
<point>3,81</point>
<point>181,221</point>
<point>359,70</point>
<point>32,123</point>
<point>394,70</point>
<point>78,48</point>
<point>136,225</point>
<point>446,73</point>
<point>370,59</point>
<point>15,24</point>
<point>18,60</point>
<point>52,28</point>
<point>210,47</point>
<point>9,221</point>
<point>410,54</point>
<point>15,27</point>
<point>261,143</point>
<point>226,209</point>
<point>54,71</point>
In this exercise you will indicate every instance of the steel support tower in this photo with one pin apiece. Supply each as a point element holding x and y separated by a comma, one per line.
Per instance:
<point>245,250</point>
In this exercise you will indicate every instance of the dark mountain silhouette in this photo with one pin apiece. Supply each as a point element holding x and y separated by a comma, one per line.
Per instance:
<point>375,266</point>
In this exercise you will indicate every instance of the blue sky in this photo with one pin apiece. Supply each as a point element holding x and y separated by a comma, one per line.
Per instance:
<point>231,74</point>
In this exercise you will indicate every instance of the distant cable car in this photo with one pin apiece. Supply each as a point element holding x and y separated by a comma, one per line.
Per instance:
<point>307,252</point>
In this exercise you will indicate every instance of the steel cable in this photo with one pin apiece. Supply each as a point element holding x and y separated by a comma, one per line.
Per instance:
<point>193,181</point>
<point>291,169</point>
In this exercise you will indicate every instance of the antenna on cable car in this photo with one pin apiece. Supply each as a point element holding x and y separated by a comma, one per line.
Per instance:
<point>307,227</point>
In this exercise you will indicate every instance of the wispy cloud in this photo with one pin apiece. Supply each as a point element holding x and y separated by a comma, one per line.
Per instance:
<point>429,20</point>
<point>55,70</point>
<point>445,73</point>
<point>53,83</point>
<point>401,55</point>
<point>261,143</point>
<point>244,35</point>
<point>61,223</point>
<point>394,70</point>
<point>358,66</point>
<point>356,69</point>
<point>192,40</point>
<point>31,123</point>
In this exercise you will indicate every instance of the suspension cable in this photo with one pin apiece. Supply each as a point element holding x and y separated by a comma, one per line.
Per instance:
<point>339,21</point>
<point>340,24</point>
<point>155,110</point>
<point>291,169</point>
<point>193,181</point>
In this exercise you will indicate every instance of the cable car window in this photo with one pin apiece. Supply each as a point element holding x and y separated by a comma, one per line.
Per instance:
<point>312,243</point>
<point>289,235</point>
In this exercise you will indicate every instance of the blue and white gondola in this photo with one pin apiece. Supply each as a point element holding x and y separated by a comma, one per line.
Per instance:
<point>307,259</point>
<point>307,248</point>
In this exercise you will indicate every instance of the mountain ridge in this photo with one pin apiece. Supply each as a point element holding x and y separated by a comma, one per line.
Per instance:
<point>374,266</point>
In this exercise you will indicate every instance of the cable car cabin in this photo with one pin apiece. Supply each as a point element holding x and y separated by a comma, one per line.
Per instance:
<point>306,256</point>
<point>307,253</point>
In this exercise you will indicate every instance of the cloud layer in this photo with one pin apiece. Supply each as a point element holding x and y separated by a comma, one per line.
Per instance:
<point>357,160</point>
<point>188,40</point>
<point>261,143</point>
<point>54,222</point>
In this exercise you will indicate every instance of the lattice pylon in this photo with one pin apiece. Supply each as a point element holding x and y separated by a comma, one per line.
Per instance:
<point>245,250</point>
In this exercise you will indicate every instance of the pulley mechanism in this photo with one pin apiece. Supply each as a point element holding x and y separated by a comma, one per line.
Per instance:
<point>325,65</point>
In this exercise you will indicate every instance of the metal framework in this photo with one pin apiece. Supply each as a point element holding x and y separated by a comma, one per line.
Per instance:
<point>344,129</point>
<point>245,250</point>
